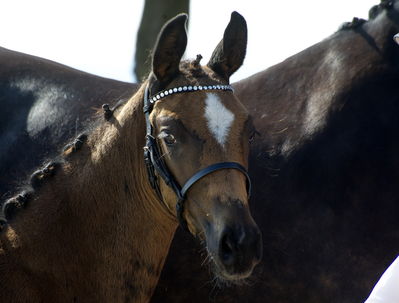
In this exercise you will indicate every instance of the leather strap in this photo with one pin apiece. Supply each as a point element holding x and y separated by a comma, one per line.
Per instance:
<point>210,169</point>
<point>199,175</point>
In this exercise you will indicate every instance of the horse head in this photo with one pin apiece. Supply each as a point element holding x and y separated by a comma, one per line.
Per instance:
<point>197,145</point>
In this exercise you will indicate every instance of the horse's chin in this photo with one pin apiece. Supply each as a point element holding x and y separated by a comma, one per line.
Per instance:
<point>227,278</point>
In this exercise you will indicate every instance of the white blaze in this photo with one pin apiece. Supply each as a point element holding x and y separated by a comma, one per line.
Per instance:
<point>219,118</point>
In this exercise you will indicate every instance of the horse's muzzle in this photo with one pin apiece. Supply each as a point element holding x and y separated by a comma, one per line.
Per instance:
<point>234,241</point>
<point>239,250</point>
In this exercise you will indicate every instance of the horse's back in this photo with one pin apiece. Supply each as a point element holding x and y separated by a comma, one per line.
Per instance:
<point>44,104</point>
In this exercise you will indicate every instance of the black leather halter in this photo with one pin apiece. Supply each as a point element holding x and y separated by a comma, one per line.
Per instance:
<point>154,162</point>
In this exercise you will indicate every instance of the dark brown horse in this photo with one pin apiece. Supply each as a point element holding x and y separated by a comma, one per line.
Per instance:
<point>324,167</point>
<point>44,104</point>
<point>89,227</point>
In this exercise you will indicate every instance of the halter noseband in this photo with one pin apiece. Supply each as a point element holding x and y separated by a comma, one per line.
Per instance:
<point>154,161</point>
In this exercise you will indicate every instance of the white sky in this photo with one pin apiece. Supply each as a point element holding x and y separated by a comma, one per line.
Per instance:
<point>98,36</point>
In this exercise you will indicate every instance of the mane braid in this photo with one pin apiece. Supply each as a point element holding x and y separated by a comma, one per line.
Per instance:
<point>196,62</point>
<point>37,179</point>
<point>377,9</point>
<point>355,23</point>
<point>373,13</point>
<point>11,206</point>
<point>192,69</point>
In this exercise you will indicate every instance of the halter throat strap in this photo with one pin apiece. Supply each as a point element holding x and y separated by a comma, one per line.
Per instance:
<point>154,162</point>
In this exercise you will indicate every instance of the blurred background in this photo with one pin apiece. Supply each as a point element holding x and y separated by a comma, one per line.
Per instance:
<point>99,36</point>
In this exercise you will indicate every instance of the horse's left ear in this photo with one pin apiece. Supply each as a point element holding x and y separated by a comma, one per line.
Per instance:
<point>169,48</point>
<point>229,55</point>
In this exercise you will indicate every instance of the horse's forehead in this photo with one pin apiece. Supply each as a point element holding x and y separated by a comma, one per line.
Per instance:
<point>204,105</point>
<point>210,112</point>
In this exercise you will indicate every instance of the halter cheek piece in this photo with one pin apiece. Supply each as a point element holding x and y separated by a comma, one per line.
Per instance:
<point>154,162</point>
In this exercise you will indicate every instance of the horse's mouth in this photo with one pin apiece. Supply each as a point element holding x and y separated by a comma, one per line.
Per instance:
<point>228,276</point>
<point>233,245</point>
<point>234,252</point>
<point>234,278</point>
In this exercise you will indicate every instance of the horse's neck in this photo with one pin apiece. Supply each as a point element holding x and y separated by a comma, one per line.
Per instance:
<point>98,219</point>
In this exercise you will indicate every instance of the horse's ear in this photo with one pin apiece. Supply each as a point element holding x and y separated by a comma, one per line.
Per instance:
<point>169,48</point>
<point>229,55</point>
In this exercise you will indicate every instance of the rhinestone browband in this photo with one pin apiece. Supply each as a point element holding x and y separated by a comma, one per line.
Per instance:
<point>188,88</point>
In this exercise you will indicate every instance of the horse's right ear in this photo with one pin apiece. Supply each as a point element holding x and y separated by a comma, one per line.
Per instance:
<point>169,48</point>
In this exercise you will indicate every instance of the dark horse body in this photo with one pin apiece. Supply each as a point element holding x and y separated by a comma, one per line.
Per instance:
<point>325,172</point>
<point>43,104</point>
<point>325,169</point>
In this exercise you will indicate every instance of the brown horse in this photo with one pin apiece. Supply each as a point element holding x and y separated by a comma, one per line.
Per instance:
<point>324,168</point>
<point>90,227</point>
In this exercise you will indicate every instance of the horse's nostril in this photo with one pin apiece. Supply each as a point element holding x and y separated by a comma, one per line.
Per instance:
<point>240,248</point>
<point>227,249</point>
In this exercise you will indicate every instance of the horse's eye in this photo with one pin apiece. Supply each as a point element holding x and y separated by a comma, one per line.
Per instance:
<point>169,139</point>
